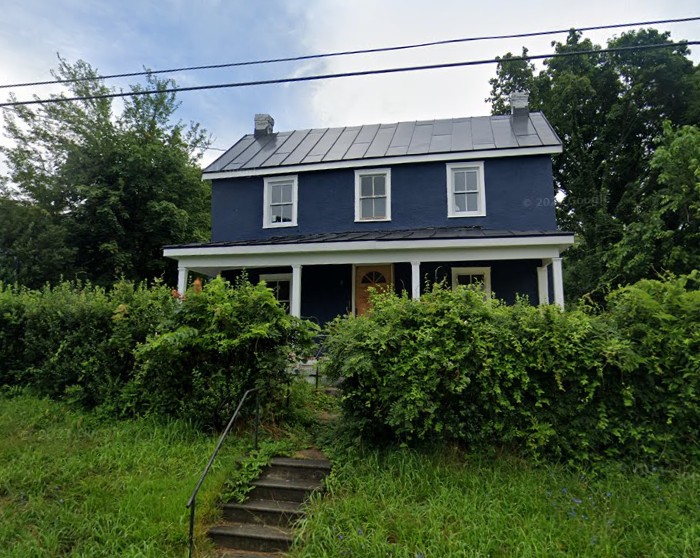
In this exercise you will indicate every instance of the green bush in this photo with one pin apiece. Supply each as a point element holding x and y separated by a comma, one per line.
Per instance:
<point>660,408</point>
<point>220,342</point>
<point>65,340</point>
<point>12,324</point>
<point>136,350</point>
<point>573,385</point>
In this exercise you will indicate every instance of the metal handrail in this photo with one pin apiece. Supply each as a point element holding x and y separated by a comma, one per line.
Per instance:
<point>191,504</point>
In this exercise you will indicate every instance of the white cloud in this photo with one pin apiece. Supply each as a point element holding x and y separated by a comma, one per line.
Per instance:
<point>339,25</point>
<point>124,36</point>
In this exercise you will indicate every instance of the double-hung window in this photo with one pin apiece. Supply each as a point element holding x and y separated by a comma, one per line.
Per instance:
<point>281,286</point>
<point>373,195</point>
<point>465,190</point>
<point>466,276</point>
<point>280,202</point>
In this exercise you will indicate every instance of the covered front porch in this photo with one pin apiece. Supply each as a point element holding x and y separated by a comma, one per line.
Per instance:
<point>322,276</point>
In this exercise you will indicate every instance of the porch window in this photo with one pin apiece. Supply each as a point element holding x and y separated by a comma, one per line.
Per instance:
<point>465,190</point>
<point>280,202</point>
<point>373,195</point>
<point>472,276</point>
<point>281,286</point>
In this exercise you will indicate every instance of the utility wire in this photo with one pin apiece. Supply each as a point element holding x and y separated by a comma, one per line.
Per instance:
<point>354,52</point>
<point>61,99</point>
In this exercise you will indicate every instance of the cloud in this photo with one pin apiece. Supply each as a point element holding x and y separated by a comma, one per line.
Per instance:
<point>337,25</point>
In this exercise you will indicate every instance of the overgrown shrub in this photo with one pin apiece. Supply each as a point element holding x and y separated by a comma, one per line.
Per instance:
<point>136,350</point>
<point>65,339</point>
<point>221,341</point>
<point>571,385</point>
<point>12,323</point>
<point>660,405</point>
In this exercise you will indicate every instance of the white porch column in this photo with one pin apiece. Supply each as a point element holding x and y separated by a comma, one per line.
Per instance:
<point>296,291</point>
<point>182,274</point>
<point>543,283</point>
<point>558,281</point>
<point>415,280</point>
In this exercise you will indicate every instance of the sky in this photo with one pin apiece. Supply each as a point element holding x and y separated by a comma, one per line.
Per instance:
<point>128,35</point>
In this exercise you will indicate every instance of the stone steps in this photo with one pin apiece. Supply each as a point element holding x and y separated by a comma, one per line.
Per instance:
<point>262,526</point>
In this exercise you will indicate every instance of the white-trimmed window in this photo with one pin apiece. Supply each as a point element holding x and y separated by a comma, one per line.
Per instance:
<point>280,202</point>
<point>373,195</point>
<point>472,276</point>
<point>281,285</point>
<point>465,190</point>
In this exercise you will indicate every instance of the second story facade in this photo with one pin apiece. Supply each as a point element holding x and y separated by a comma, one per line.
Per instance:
<point>370,179</point>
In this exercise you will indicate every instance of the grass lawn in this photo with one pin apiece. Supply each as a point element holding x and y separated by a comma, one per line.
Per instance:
<point>403,504</point>
<point>71,485</point>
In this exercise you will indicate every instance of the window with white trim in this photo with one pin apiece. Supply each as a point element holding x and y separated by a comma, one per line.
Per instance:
<point>467,276</point>
<point>373,195</point>
<point>281,286</point>
<point>465,190</point>
<point>280,202</point>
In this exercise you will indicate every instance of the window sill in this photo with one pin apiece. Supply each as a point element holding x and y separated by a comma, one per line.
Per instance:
<point>460,215</point>
<point>372,220</point>
<point>279,225</point>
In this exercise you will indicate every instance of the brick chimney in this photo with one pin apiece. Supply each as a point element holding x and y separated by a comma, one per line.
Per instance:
<point>519,112</point>
<point>264,124</point>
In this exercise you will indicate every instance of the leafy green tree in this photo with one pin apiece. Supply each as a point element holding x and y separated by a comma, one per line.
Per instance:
<point>33,248</point>
<point>666,236</point>
<point>118,185</point>
<point>608,110</point>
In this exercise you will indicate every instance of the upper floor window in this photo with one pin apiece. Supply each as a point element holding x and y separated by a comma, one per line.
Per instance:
<point>373,195</point>
<point>465,190</point>
<point>280,201</point>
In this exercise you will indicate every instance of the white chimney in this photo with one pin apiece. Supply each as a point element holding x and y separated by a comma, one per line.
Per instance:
<point>264,124</point>
<point>519,112</point>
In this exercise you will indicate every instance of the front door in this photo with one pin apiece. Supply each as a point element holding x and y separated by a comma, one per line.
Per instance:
<point>377,276</point>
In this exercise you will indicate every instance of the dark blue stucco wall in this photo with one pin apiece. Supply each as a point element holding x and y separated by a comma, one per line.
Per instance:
<point>509,278</point>
<point>519,196</point>
<point>326,290</point>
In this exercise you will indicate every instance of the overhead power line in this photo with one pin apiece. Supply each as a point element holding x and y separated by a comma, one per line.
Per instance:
<point>61,99</point>
<point>354,52</point>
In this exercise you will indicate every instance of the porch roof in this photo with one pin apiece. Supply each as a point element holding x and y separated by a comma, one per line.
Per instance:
<point>428,233</point>
<point>372,247</point>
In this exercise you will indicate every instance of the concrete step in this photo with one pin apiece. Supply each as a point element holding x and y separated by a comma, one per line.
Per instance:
<point>289,468</point>
<point>248,536</point>
<point>261,526</point>
<point>286,490</point>
<point>233,553</point>
<point>265,512</point>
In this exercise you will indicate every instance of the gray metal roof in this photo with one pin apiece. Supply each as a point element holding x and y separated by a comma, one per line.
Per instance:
<point>428,233</point>
<point>376,141</point>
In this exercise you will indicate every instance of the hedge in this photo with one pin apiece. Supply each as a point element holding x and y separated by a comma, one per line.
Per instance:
<point>623,381</point>
<point>135,350</point>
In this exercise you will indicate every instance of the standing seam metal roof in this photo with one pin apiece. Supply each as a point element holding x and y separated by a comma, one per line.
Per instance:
<point>325,145</point>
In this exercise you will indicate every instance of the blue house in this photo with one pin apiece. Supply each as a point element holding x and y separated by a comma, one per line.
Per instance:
<point>322,215</point>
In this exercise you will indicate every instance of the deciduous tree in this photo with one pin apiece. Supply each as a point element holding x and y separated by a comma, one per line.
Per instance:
<point>609,109</point>
<point>118,185</point>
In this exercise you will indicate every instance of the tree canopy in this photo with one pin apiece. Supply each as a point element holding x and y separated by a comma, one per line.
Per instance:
<point>610,110</point>
<point>94,192</point>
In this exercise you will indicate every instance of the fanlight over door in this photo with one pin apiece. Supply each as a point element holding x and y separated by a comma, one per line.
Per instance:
<point>378,277</point>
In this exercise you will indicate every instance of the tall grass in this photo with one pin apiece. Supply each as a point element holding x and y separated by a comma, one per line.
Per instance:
<point>405,504</point>
<point>74,485</point>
